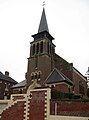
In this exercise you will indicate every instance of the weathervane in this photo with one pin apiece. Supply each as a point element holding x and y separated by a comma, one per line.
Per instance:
<point>43,3</point>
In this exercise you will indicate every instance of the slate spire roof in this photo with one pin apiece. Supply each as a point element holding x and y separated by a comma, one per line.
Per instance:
<point>57,77</point>
<point>43,26</point>
<point>43,30</point>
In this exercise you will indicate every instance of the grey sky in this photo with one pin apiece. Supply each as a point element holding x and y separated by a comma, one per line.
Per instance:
<point>68,22</point>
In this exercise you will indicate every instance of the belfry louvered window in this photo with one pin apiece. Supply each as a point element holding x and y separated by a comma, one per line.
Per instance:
<point>37,48</point>
<point>41,47</point>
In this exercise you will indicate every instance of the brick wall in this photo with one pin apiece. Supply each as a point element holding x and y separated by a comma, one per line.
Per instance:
<point>63,66</point>
<point>15,112</point>
<point>32,106</point>
<point>21,90</point>
<point>76,78</point>
<point>44,68</point>
<point>39,105</point>
<point>62,88</point>
<point>70,108</point>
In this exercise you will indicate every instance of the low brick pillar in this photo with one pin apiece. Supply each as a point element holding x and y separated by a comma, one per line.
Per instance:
<point>39,104</point>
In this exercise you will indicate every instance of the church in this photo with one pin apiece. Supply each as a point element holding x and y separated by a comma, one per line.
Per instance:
<point>47,69</point>
<point>53,88</point>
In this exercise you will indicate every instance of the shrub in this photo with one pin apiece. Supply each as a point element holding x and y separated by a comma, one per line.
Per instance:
<point>59,95</point>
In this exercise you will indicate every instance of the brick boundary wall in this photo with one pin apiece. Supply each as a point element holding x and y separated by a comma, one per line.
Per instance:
<point>17,109</point>
<point>13,112</point>
<point>37,106</point>
<point>69,108</point>
<point>32,106</point>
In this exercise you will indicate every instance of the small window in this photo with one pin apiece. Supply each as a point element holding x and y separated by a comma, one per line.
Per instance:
<point>35,75</point>
<point>32,77</point>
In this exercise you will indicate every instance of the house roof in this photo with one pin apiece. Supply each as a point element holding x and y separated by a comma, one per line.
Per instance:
<point>56,77</point>
<point>21,84</point>
<point>6,78</point>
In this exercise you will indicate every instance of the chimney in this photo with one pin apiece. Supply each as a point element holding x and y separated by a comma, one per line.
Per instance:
<point>6,73</point>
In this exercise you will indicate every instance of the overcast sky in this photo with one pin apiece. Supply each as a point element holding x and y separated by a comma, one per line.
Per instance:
<point>68,22</point>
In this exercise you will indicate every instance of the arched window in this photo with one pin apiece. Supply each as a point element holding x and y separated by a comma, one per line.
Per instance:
<point>35,75</point>
<point>32,77</point>
<point>37,48</point>
<point>33,51</point>
<point>41,47</point>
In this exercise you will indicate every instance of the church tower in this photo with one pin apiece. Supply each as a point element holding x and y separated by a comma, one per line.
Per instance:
<point>40,62</point>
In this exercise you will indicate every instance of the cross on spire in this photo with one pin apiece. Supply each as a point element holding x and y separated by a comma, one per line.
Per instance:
<point>43,3</point>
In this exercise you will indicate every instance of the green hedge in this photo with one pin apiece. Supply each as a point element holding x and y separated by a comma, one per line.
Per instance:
<point>59,95</point>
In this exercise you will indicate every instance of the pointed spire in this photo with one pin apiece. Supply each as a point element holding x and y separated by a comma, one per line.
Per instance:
<point>43,23</point>
<point>43,30</point>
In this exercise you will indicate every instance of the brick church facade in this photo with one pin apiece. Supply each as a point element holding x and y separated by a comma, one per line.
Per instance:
<point>47,69</point>
<point>48,75</point>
